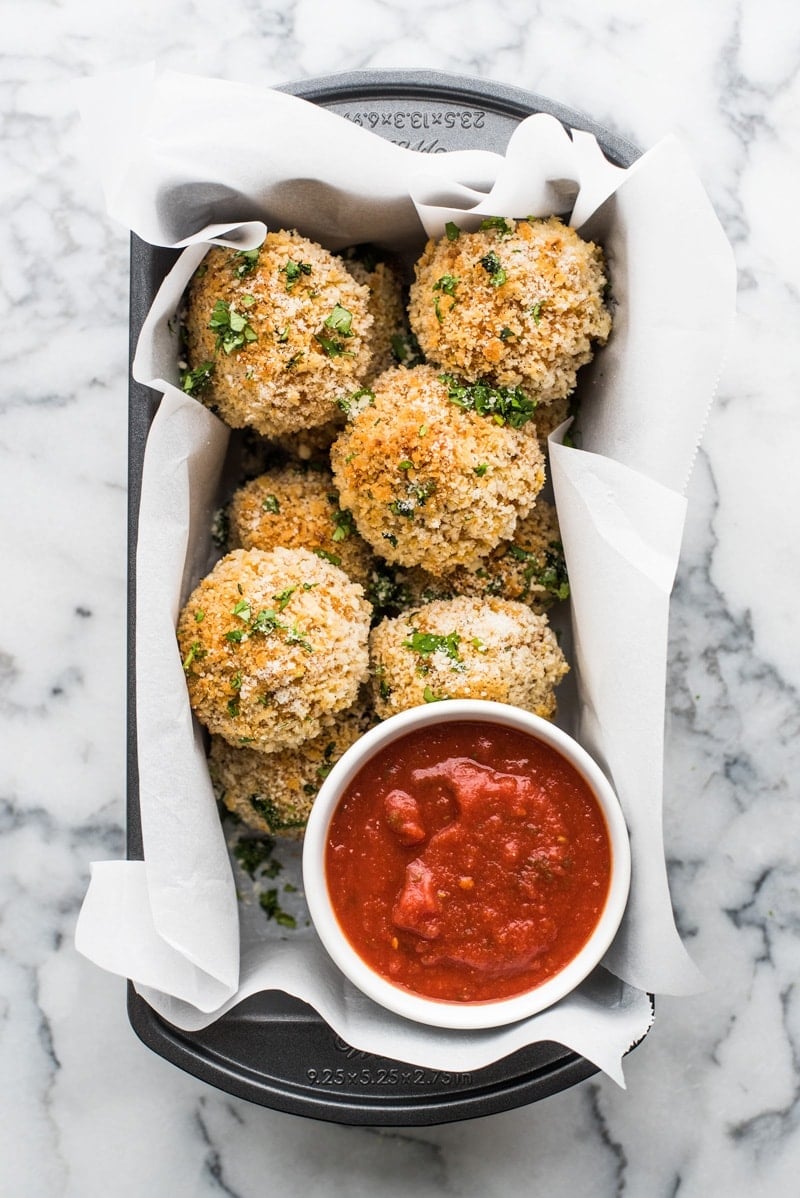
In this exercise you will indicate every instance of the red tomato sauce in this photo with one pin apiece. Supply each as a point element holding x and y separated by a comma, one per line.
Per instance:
<point>468,862</point>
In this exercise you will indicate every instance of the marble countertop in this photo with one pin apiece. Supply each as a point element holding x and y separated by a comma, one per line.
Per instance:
<point>712,1100</point>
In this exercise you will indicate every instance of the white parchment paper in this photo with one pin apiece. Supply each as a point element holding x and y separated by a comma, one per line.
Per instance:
<point>207,161</point>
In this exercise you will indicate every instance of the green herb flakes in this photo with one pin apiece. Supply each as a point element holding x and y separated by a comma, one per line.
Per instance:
<point>536,312</point>
<point>242,609</point>
<point>503,405</point>
<point>356,401</point>
<point>233,330</point>
<point>498,223</point>
<point>196,653</point>
<point>328,557</point>
<point>426,643</point>
<point>271,505</point>
<point>199,616</point>
<point>481,470</point>
<point>233,708</point>
<point>254,851</point>
<point>195,381</point>
<point>294,271</point>
<point>430,696</point>
<point>452,230</point>
<point>282,599</point>
<point>268,901</point>
<point>491,264</point>
<point>344,523</point>
<point>244,262</point>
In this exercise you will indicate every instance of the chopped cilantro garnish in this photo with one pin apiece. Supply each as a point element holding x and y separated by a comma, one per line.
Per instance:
<point>199,616</point>
<point>430,696</point>
<point>406,464</point>
<point>271,505</point>
<point>356,401</point>
<point>498,223</point>
<point>447,285</point>
<point>242,609</point>
<point>452,230</point>
<point>550,574</point>
<point>248,300</point>
<point>294,271</point>
<point>232,328</point>
<point>481,470</point>
<point>266,621</point>
<point>422,431</point>
<point>417,495</point>
<point>244,262</point>
<point>235,636</point>
<point>491,264</point>
<point>426,643</point>
<point>273,910</point>
<point>236,682</point>
<point>269,811</point>
<point>196,653</point>
<point>391,538</point>
<point>332,347</point>
<point>195,381</point>
<point>504,405</point>
<point>345,524</point>
<point>283,597</point>
<point>328,557</point>
<point>295,636</point>
<point>506,334</point>
<point>282,335</point>
<point>340,320</point>
<point>233,708</point>
<point>293,361</point>
<point>536,312</point>
<point>384,689</point>
<point>254,851</point>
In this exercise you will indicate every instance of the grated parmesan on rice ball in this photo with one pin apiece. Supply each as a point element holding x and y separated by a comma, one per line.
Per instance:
<point>273,792</point>
<point>298,508</point>
<point>275,335</point>
<point>272,644</point>
<point>429,480</point>
<point>528,569</point>
<point>466,648</point>
<point>519,302</point>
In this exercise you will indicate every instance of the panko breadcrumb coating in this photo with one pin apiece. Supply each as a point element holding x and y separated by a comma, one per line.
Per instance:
<point>429,481</point>
<point>529,569</point>
<point>273,792</point>
<point>272,644</point>
<point>274,335</point>
<point>517,301</point>
<point>386,303</point>
<point>298,508</point>
<point>466,648</point>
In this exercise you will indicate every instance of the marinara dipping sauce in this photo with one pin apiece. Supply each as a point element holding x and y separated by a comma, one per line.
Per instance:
<point>467,862</point>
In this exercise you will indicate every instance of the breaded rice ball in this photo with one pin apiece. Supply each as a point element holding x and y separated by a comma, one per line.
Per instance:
<point>519,302</point>
<point>466,648</point>
<point>386,303</point>
<point>298,508</point>
<point>273,792</point>
<point>272,644</point>
<point>429,481</point>
<point>529,569</point>
<point>274,335</point>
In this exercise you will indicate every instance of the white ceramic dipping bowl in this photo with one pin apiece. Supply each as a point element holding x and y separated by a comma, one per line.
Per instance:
<point>434,1012</point>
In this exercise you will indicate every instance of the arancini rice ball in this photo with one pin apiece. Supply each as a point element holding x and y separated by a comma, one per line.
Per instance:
<point>298,508</point>
<point>275,335</point>
<point>519,302</point>
<point>386,303</point>
<point>528,569</point>
<point>273,792</point>
<point>466,648</point>
<point>272,644</point>
<point>429,479</point>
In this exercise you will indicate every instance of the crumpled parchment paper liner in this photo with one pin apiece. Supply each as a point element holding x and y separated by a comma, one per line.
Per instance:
<point>189,175</point>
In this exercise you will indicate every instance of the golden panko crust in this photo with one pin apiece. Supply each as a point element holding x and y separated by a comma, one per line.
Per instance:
<point>428,482</point>
<point>519,302</point>
<point>272,644</point>
<point>298,508</point>
<point>273,792</point>
<point>528,569</point>
<point>466,648</point>
<point>386,303</point>
<point>287,329</point>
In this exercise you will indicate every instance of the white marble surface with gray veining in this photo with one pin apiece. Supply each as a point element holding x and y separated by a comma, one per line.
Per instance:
<point>713,1099</point>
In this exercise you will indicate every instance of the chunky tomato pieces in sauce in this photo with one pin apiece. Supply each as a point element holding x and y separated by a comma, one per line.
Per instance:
<point>469,862</point>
